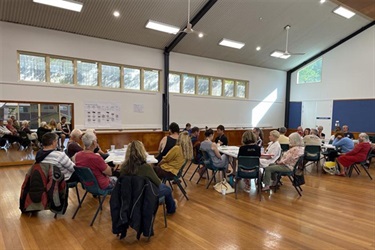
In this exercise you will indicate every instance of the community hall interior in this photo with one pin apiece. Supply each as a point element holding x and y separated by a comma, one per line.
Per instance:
<point>297,63</point>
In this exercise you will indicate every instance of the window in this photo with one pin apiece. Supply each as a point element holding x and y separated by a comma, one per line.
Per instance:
<point>228,88</point>
<point>71,71</point>
<point>32,68</point>
<point>217,85</point>
<point>240,89</point>
<point>174,83</point>
<point>203,85</point>
<point>188,84</point>
<point>311,73</point>
<point>132,78</point>
<point>110,76</point>
<point>151,80</point>
<point>87,74</point>
<point>61,71</point>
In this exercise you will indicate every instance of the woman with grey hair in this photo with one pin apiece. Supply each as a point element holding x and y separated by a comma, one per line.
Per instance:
<point>87,158</point>
<point>273,150</point>
<point>286,163</point>
<point>358,154</point>
<point>73,144</point>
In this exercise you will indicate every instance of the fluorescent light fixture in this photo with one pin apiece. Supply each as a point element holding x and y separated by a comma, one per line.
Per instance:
<point>231,44</point>
<point>64,4</point>
<point>162,27</point>
<point>279,54</point>
<point>343,12</point>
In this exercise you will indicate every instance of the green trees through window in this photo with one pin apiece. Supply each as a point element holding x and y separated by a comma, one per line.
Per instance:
<point>311,73</point>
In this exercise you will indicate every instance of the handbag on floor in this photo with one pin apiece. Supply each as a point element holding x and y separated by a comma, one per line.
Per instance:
<point>224,187</point>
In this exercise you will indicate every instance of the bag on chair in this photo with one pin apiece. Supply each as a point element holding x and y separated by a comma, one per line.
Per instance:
<point>224,185</point>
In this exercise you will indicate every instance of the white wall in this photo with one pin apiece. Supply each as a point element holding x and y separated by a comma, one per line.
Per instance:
<point>258,110</point>
<point>348,72</point>
<point>202,111</point>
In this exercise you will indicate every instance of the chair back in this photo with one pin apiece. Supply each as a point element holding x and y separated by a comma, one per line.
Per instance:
<point>179,174</point>
<point>88,180</point>
<point>312,153</point>
<point>284,147</point>
<point>207,159</point>
<point>248,167</point>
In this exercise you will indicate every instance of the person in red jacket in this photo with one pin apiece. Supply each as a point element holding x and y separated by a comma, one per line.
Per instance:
<point>358,154</point>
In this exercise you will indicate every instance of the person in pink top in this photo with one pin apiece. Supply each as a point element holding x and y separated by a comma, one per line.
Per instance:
<point>287,161</point>
<point>87,158</point>
<point>358,154</point>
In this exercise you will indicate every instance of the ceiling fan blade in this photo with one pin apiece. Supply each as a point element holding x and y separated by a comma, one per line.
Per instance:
<point>296,53</point>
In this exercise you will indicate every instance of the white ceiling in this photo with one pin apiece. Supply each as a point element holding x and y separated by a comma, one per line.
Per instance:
<point>314,27</point>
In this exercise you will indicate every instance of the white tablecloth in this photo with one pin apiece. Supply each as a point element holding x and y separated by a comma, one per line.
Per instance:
<point>118,157</point>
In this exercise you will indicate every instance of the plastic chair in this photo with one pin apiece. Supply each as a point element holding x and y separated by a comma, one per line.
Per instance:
<point>248,168</point>
<point>176,179</point>
<point>299,166</point>
<point>207,161</point>
<point>312,153</point>
<point>284,147</point>
<point>363,164</point>
<point>90,184</point>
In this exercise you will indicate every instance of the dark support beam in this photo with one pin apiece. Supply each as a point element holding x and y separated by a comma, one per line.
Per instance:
<point>167,50</point>
<point>166,92</point>
<point>287,99</point>
<point>193,22</point>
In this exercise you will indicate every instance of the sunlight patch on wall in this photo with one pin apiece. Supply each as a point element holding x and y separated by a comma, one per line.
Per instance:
<point>261,109</point>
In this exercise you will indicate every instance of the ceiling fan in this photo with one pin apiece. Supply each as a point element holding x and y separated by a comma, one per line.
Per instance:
<point>285,54</point>
<point>189,27</point>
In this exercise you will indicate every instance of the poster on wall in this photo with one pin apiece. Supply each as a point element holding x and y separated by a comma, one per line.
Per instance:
<point>102,115</point>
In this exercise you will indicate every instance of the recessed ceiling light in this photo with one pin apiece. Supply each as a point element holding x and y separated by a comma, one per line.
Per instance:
<point>231,43</point>
<point>258,48</point>
<point>343,12</point>
<point>322,1</point>
<point>116,13</point>
<point>279,54</point>
<point>162,27</point>
<point>64,4</point>
<point>200,35</point>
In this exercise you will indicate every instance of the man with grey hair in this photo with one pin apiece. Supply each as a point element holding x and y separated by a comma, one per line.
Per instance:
<point>282,138</point>
<point>87,158</point>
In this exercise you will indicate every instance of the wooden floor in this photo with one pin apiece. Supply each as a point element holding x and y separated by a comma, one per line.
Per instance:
<point>333,213</point>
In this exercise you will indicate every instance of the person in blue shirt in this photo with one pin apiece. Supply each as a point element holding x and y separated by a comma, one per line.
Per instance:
<point>345,143</point>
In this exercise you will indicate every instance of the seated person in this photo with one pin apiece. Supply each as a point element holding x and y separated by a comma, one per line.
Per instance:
<point>337,129</point>
<point>306,132</point>
<point>345,143</point>
<point>321,135</point>
<point>87,158</point>
<point>42,130</point>
<point>176,157</point>
<point>135,164</point>
<point>53,126</point>
<point>16,124</point>
<point>49,155</point>
<point>286,163</point>
<point>345,130</point>
<point>11,128</point>
<point>73,144</point>
<point>220,161</point>
<point>98,149</point>
<point>312,138</point>
<point>273,149</point>
<point>282,138</point>
<point>188,128</point>
<point>248,148</point>
<point>5,134</point>
<point>26,128</point>
<point>221,138</point>
<point>64,127</point>
<point>259,133</point>
<point>358,154</point>
<point>196,143</point>
<point>169,141</point>
<point>300,131</point>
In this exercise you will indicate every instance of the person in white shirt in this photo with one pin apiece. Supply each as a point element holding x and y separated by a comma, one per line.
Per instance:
<point>273,149</point>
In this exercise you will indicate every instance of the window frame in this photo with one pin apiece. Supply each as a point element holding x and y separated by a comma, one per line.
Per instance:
<point>306,66</point>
